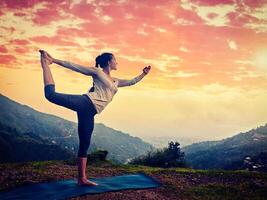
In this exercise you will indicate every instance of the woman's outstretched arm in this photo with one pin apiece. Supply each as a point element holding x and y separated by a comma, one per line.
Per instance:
<point>89,71</point>
<point>123,83</point>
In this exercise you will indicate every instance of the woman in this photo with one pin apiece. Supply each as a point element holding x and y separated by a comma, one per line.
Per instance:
<point>89,104</point>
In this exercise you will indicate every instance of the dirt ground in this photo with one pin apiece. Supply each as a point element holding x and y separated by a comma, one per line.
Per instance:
<point>175,184</point>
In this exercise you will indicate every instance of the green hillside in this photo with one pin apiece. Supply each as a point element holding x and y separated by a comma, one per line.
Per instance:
<point>21,124</point>
<point>227,153</point>
<point>18,147</point>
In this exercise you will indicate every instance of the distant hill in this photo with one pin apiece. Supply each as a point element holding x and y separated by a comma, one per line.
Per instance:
<point>228,153</point>
<point>20,124</point>
<point>162,141</point>
<point>121,146</point>
<point>23,147</point>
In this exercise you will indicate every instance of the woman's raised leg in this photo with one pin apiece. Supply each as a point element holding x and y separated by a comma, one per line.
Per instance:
<point>47,75</point>
<point>73,102</point>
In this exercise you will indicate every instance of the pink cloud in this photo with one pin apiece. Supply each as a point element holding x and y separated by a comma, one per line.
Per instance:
<point>212,15</point>
<point>50,12</point>
<point>3,49</point>
<point>83,10</point>
<point>7,59</point>
<point>212,2</point>
<point>47,15</point>
<point>116,11</point>
<point>239,20</point>
<point>121,31</point>
<point>167,25</point>
<point>190,16</point>
<point>54,40</point>
<point>21,50</point>
<point>254,3</point>
<point>72,32</point>
<point>103,31</point>
<point>17,4</point>
<point>20,42</point>
<point>208,45</point>
<point>144,10</point>
<point>20,14</point>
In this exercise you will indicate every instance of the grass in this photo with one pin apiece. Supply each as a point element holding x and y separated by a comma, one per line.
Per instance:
<point>139,168</point>
<point>38,164</point>
<point>213,184</point>
<point>225,192</point>
<point>243,173</point>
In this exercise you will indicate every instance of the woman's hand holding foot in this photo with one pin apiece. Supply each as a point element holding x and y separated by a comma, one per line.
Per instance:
<point>47,58</point>
<point>47,75</point>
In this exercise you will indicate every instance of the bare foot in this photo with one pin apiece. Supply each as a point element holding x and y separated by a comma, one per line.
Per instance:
<point>86,182</point>
<point>47,58</point>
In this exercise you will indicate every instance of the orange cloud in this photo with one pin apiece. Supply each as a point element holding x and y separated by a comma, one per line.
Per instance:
<point>212,2</point>
<point>54,40</point>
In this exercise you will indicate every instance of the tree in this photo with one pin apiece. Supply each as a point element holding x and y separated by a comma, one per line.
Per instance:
<point>167,157</point>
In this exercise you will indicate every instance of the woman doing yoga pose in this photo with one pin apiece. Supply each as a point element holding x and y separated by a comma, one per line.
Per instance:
<point>89,104</point>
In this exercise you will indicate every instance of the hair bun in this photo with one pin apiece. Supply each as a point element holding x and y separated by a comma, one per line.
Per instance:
<point>97,60</point>
<point>102,60</point>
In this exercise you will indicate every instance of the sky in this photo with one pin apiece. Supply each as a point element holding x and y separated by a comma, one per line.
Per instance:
<point>209,61</point>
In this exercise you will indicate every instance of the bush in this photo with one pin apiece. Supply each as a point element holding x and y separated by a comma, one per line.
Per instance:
<point>168,157</point>
<point>99,155</point>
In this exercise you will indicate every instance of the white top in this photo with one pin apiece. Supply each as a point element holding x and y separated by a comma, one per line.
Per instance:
<point>103,91</point>
<point>104,87</point>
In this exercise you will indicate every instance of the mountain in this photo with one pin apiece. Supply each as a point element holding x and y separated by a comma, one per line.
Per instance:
<point>23,147</point>
<point>20,123</point>
<point>161,142</point>
<point>228,153</point>
<point>121,146</point>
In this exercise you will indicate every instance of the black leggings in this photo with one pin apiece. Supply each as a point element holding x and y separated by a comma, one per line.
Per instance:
<point>85,112</point>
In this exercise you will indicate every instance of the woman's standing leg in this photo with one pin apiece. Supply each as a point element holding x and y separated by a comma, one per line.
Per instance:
<point>85,130</point>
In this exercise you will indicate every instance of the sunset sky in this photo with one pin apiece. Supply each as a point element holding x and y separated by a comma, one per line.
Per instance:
<point>209,61</point>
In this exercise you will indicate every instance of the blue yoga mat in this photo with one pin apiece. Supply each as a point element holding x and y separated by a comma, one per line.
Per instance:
<point>68,188</point>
